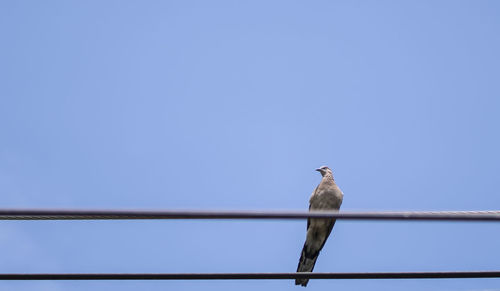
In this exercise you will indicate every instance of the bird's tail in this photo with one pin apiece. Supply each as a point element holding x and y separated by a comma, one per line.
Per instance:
<point>306,264</point>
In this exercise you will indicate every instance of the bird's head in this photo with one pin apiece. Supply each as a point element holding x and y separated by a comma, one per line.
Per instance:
<point>324,170</point>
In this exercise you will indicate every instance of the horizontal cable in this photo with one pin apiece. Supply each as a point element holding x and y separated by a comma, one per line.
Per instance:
<point>254,276</point>
<point>65,214</point>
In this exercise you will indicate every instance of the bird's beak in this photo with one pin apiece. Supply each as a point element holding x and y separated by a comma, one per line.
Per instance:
<point>318,169</point>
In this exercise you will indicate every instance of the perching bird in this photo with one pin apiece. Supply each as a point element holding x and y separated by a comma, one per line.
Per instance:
<point>327,196</point>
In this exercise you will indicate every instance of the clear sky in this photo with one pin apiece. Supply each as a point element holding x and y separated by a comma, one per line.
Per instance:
<point>232,105</point>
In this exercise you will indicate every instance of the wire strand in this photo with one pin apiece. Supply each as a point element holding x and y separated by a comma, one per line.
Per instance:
<point>254,276</point>
<point>75,214</point>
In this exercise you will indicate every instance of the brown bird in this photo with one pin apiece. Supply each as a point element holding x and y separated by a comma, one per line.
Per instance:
<point>327,196</point>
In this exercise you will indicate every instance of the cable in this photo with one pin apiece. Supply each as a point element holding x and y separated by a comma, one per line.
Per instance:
<point>65,214</point>
<point>61,214</point>
<point>253,276</point>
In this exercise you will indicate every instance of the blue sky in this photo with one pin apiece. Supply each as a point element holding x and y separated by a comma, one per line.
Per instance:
<point>232,105</point>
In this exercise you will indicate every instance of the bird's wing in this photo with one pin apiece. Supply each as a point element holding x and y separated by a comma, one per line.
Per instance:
<point>309,220</point>
<point>330,227</point>
<point>328,197</point>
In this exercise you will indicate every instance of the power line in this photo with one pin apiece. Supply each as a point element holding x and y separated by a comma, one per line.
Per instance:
<point>253,276</point>
<point>65,214</point>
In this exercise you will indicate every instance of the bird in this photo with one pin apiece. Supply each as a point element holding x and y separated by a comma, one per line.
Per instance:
<point>326,196</point>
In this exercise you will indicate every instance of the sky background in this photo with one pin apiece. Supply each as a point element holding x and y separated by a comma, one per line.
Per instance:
<point>232,105</point>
